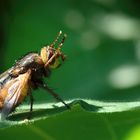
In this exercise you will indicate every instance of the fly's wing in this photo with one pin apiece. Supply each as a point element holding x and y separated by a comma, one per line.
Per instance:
<point>11,99</point>
<point>4,77</point>
<point>16,90</point>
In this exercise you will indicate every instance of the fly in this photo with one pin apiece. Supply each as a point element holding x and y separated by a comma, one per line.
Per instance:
<point>27,74</point>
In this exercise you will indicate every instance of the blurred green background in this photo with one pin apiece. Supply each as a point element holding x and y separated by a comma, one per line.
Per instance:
<point>102,48</point>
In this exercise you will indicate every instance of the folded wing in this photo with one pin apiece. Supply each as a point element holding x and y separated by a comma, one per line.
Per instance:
<point>14,92</point>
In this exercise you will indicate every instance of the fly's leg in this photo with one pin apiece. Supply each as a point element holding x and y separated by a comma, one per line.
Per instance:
<point>56,96</point>
<point>31,101</point>
<point>31,104</point>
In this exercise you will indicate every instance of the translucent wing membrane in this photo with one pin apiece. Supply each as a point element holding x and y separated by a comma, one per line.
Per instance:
<point>4,77</point>
<point>15,91</point>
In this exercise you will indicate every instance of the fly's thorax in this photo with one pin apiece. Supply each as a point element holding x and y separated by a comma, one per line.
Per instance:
<point>31,61</point>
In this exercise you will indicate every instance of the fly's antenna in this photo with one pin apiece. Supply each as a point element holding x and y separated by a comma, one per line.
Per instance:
<point>57,52</point>
<point>58,36</point>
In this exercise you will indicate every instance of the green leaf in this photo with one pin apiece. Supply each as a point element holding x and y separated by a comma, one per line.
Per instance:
<point>87,119</point>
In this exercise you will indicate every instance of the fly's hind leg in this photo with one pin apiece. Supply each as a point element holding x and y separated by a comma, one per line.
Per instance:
<point>31,105</point>
<point>55,95</point>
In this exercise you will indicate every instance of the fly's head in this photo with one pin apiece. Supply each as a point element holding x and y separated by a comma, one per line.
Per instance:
<point>51,56</point>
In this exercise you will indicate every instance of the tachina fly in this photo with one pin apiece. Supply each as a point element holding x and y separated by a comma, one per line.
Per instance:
<point>27,74</point>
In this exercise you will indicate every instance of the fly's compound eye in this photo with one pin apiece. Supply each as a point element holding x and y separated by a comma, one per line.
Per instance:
<point>45,54</point>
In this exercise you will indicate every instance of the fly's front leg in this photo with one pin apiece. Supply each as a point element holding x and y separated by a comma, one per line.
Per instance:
<point>56,96</point>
